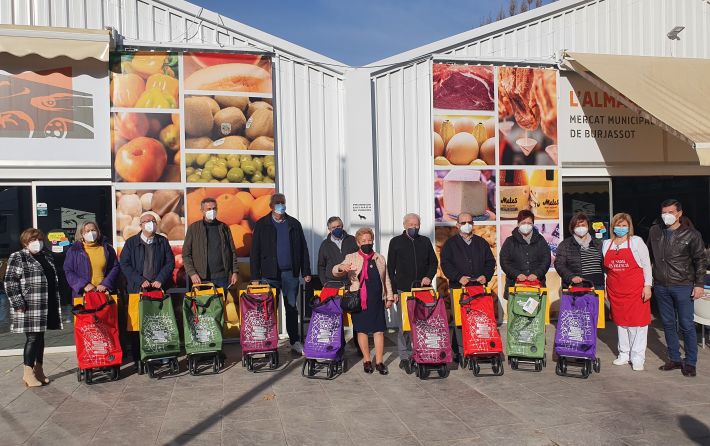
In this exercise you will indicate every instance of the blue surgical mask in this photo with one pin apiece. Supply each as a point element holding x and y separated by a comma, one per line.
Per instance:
<point>412,232</point>
<point>280,208</point>
<point>338,232</point>
<point>621,231</point>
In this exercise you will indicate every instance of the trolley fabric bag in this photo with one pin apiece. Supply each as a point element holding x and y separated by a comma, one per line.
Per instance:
<point>324,338</point>
<point>430,328</point>
<point>259,328</point>
<point>159,337</point>
<point>576,334</point>
<point>202,322</point>
<point>526,324</point>
<point>479,328</point>
<point>96,332</point>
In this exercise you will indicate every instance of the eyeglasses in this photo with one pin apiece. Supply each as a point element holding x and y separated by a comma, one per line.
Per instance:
<point>469,222</point>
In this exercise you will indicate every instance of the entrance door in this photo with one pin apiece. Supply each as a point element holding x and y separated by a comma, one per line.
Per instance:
<point>589,195</point>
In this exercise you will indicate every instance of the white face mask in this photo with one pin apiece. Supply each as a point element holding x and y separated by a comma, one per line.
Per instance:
<point>525,228</point>
<point>35,246</point>
<point>581,231</point>
<point>668,219</point>
<point>211,214</point>
<point>149,227</point>
<point>90,236</point>
<point>467,228</point>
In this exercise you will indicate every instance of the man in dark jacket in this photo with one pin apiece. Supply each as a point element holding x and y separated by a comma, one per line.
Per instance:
<point>410,258</point>
<point>279,256</point>
<point>146,262</point>
<point>467,258</point>
<point>333,250</point>
<point>146,259</point>
<point>208,252</point>
<point>678,257</point>
<point>525,255</point>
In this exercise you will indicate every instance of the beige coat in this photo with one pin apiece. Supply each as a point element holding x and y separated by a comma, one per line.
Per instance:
<point>357,260</point>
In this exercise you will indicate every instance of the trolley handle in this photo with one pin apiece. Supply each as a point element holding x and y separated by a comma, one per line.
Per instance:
<point>583,286</point>
<point>203,286</point>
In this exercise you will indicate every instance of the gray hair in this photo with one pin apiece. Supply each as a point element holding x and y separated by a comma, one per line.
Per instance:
<point>411,215</point>
<point>81,227</point>
<point>276,197</point>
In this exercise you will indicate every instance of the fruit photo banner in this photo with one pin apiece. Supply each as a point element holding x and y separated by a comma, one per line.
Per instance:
<point>191,125</point>
<point>494,151</point>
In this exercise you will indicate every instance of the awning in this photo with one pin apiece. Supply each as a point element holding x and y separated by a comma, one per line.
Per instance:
<point>49,42</point>
<point>673,93</point>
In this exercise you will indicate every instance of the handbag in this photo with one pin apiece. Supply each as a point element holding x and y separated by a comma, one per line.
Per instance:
<point>350,302</point>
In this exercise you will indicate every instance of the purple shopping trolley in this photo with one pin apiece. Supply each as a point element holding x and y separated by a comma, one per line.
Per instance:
<point>323,345</point>
<point>259,335</point>
<point>431,345</point>
<point>576,335</point>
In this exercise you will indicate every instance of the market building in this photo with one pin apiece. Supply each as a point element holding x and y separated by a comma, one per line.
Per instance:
<point>606,131</point>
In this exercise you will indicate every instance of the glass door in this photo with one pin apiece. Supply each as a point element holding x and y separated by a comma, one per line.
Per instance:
<point>589,195</point>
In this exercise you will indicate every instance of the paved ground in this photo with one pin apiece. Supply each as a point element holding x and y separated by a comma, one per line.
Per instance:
<point>616,407</point>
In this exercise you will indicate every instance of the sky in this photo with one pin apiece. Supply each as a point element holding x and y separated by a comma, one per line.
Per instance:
<point>358,32</point>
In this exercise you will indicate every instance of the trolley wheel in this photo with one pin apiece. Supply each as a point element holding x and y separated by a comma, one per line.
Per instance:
<point>499,370</point>
<point>597,365</point>
<point>424,372</point>
<point>344,365</point>
<point>587,368</point>
<point>311,367</point>
<point>274,361</point>
<point>79,374</point>
<point>544,359</point>
<point>244,361</point>
<point>215,363</point>
<point>563,367</point>
<point>558,368</point>
<point>151,371</point>
<point>513,363</point>
<point>538,365</point>
<point>443,371</point>
<point>464,364</point>
<point>476,367</point>
<point>331,371</point>
<point>88,376</point>
<point>174,366</point>
<point>141,367</point>
<point>115,372</point>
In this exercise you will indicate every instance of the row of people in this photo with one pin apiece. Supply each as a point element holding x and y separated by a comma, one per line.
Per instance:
<point>280,257</point>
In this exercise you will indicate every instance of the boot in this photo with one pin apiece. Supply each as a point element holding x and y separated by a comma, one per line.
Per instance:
<point>29,377</point>
<point>39,373</point>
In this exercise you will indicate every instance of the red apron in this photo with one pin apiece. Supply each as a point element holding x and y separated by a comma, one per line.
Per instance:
<point>624,288</point>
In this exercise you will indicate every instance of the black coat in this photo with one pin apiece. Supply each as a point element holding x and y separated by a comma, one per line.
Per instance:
<point>518,257</point>
<point>679,260</point>
<point>410,260</point>
<point>568,261</point>
<point>459,259</point>
<point>330,255</point>
<point>264,264</point>
<point>133,258</point>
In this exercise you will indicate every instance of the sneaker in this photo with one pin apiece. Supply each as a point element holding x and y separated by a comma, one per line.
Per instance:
<point>637,367</point>
<point>406,365</point>
<point>297,347</point>
<point>621,361</point>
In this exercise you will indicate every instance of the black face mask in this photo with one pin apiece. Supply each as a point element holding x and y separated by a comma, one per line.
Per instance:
<point>366,249</point>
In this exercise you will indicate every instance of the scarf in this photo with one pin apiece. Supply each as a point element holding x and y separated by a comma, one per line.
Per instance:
<point>583,242</point>
<point>363,277</point>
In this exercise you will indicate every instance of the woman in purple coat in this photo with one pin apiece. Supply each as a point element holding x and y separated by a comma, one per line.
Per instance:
<point>91,263</point>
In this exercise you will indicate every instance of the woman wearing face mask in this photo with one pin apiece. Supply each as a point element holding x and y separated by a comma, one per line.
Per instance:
<point>367,272</point>
<point>91,263</point>
<point>580,257</point>
<point>525,255</point>
<point>628,287</point>
<point>31,284</point>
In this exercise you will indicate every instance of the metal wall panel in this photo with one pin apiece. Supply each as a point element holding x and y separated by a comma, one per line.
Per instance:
<point>309,96</point>
<point>402,113</point>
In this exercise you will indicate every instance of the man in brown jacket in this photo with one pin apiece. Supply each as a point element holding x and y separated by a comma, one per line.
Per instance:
<point>208,252</point>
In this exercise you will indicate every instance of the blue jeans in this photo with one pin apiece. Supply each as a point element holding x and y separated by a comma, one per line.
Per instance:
<point>677,299</point>
<point>288,285</point>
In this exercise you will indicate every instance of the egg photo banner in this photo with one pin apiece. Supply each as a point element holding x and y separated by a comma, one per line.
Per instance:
<point>186,126</point>
<point>494,153</point>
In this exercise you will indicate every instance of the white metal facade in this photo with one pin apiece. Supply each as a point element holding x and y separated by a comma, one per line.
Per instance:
<point>402,92</point>
<point>309,87</point>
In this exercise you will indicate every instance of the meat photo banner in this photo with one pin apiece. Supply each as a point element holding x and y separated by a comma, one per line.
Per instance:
<point>494,153</point>
<point>186,126</point>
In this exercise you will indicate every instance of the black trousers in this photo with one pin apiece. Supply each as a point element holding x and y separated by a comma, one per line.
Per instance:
<point>34,348</point>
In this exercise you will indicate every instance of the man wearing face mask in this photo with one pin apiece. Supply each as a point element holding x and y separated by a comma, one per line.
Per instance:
<point>467,258</point>
<point>333,250</point>
<point>678,258</point>
<point>410,258</point>
<point>146,259</point>
<point>525,255</point>
<point>208,252</point>
<point>279,256</point>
